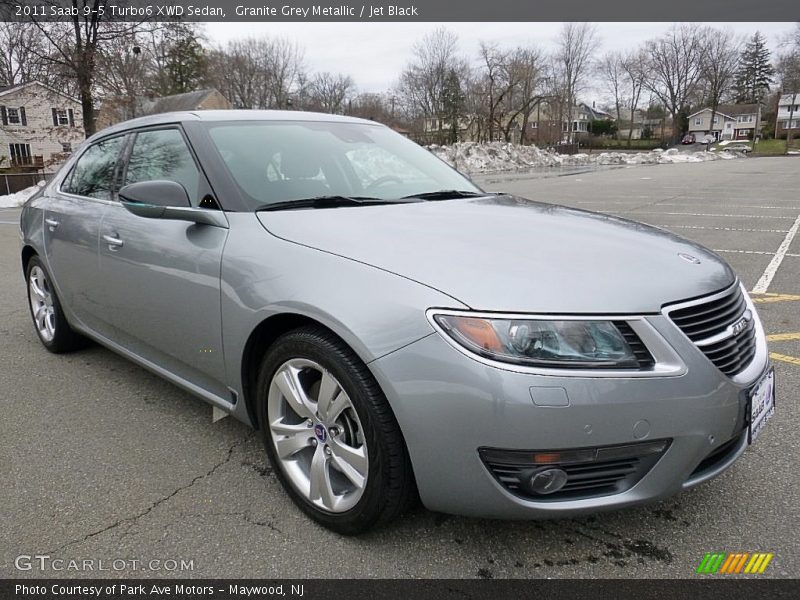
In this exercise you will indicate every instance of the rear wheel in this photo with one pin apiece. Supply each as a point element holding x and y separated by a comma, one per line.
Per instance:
<point>330,434</point>
<point>48,318</point>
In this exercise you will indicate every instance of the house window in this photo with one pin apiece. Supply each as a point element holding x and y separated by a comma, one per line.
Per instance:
<point>534,125</point>
<point>13,116</point>
<point>698,121</point>
<point>61,117</point>
<point>716,119</point>
<point>20,154</point>
<point>66,146</point>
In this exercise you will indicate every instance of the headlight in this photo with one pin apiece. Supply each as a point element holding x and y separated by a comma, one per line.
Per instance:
<point>542,342</point>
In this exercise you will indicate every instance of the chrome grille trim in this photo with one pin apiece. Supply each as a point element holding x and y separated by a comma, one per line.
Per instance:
<point>725,327</point>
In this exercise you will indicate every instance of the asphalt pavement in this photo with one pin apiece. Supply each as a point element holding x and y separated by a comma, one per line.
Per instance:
<point>102,461</point>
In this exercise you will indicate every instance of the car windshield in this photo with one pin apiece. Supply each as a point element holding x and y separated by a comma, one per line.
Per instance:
<point>282,161</point>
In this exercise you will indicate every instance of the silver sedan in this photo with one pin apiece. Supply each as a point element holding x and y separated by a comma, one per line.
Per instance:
<point>393,331</point>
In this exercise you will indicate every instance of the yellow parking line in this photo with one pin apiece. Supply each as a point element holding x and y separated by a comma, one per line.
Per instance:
<point>783,337</point>
<point>785,358</point>
<point>768,298</point>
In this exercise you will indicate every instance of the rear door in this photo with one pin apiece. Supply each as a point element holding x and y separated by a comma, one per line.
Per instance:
<point>72,223</point>
<point>161,278</point>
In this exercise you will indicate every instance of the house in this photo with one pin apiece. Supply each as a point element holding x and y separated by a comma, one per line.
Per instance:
<point>788,109</point>
<point>643,126</point>
<point>548,122</point>
<point>731,122</point>
<point>117,109</point>
<point>39,126</point>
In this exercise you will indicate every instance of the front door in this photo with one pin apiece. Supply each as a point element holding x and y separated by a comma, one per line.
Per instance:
<point>161,278</point>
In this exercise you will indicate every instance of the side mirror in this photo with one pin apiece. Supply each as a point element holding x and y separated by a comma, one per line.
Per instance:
<point>166,200</point>
<point>156,193</point>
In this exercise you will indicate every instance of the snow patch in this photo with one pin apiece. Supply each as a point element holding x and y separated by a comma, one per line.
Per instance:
<point>474,157</point>
<point>19,198</point>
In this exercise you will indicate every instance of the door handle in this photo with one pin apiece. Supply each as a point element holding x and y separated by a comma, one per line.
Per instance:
<point>113,242</point>
<point>52,223</point>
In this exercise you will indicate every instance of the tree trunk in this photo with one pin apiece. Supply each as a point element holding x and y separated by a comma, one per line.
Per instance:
<point>630,129</point>
<point>84,75</point>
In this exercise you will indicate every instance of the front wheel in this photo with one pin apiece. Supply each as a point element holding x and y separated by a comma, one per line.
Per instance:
<point>48,318</point>
<point>330,433</point>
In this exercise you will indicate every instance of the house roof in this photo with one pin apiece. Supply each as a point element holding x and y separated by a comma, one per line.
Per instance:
<point>731,110</point>
<point>13,88</point>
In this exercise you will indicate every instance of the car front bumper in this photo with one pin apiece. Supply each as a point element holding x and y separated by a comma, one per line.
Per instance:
<point>450,405</point>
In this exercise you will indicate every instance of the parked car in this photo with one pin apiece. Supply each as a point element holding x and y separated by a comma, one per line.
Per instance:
<point>394,331</point>
<point>688,139</point>
<point>743,148</point>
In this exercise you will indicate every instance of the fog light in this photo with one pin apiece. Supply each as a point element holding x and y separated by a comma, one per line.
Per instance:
<point>547,481</point>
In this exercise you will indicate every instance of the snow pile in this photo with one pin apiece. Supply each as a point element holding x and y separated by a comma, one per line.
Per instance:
<point>19,198</point>
<point>473,157</point>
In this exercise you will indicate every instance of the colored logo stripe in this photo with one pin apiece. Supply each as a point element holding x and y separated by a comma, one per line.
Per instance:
<point>734,563</point>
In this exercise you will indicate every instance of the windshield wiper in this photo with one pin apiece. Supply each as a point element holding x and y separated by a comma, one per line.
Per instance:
<point>325,202</point>
<point>446,195</point>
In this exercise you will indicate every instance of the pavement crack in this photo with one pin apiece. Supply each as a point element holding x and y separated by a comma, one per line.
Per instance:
<point>135,518</point>
<point>244,515</point>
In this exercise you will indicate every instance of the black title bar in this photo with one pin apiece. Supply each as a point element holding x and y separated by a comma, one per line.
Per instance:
<point>405,11</point>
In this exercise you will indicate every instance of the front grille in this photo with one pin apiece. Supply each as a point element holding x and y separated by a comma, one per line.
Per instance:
<point>598,472</point>
<point>643,357</point>
<point>706,319</point>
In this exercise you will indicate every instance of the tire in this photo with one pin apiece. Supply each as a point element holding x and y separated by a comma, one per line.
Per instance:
<point>326,447</point>
<point>49,322</point>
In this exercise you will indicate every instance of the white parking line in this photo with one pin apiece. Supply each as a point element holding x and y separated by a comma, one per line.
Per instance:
<point>725,229</point>
<point>687,214</point>
<point>753,252</point>
<point>772,268</point>
<point>793,208</point>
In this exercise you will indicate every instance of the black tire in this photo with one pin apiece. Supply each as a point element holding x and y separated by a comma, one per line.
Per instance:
<point>65,339</point>
<point>390,487</point>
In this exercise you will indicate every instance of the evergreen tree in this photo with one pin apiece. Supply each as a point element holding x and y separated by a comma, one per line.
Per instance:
<point>756,73</point>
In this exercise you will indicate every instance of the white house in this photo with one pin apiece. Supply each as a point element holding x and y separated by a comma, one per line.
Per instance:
<point>731,122</point>
<point>788,109</point>
<point>39,126</point>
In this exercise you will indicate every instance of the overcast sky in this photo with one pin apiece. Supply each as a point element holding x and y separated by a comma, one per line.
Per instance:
<point>375,53</point>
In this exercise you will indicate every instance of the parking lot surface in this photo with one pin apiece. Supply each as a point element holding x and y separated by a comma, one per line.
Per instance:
<point>102,460</point>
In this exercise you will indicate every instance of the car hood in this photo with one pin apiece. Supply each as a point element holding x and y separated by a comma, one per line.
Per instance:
<point>502,253</point>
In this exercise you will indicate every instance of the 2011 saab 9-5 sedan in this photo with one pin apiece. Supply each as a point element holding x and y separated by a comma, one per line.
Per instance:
<point>394,331</point>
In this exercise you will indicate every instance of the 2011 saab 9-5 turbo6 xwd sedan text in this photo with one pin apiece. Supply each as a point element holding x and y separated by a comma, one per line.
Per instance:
<point>394,331</point>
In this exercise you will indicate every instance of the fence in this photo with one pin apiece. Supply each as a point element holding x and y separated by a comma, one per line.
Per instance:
<point>11,183</point>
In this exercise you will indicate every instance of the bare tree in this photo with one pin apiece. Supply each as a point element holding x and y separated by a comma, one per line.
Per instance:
<point>526,70</point>
<point>720,62</point>
<point>573,61</point>
<point>612,73</point>
<point>424,81</point>
<point>73,47</point>
<point>19,63</point>
<point>329,93</point>
<point>633,65</point>
<point>258,72</point>
<point>674,67</point>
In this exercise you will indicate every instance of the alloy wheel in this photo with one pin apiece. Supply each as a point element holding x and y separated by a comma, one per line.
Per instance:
<point>317,435</point>
<point>41,298</point>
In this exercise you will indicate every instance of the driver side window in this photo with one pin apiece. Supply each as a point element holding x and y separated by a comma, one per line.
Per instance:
<point>163,154</point>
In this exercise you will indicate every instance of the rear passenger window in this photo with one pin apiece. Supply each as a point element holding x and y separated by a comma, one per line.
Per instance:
<point>163,154</point>
<point>93,174</point>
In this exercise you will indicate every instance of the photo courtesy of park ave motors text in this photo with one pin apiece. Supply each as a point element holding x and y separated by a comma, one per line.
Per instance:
<point>451,300</point>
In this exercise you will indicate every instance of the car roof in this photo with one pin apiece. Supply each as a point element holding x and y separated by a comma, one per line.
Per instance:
<point>228,115</point>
